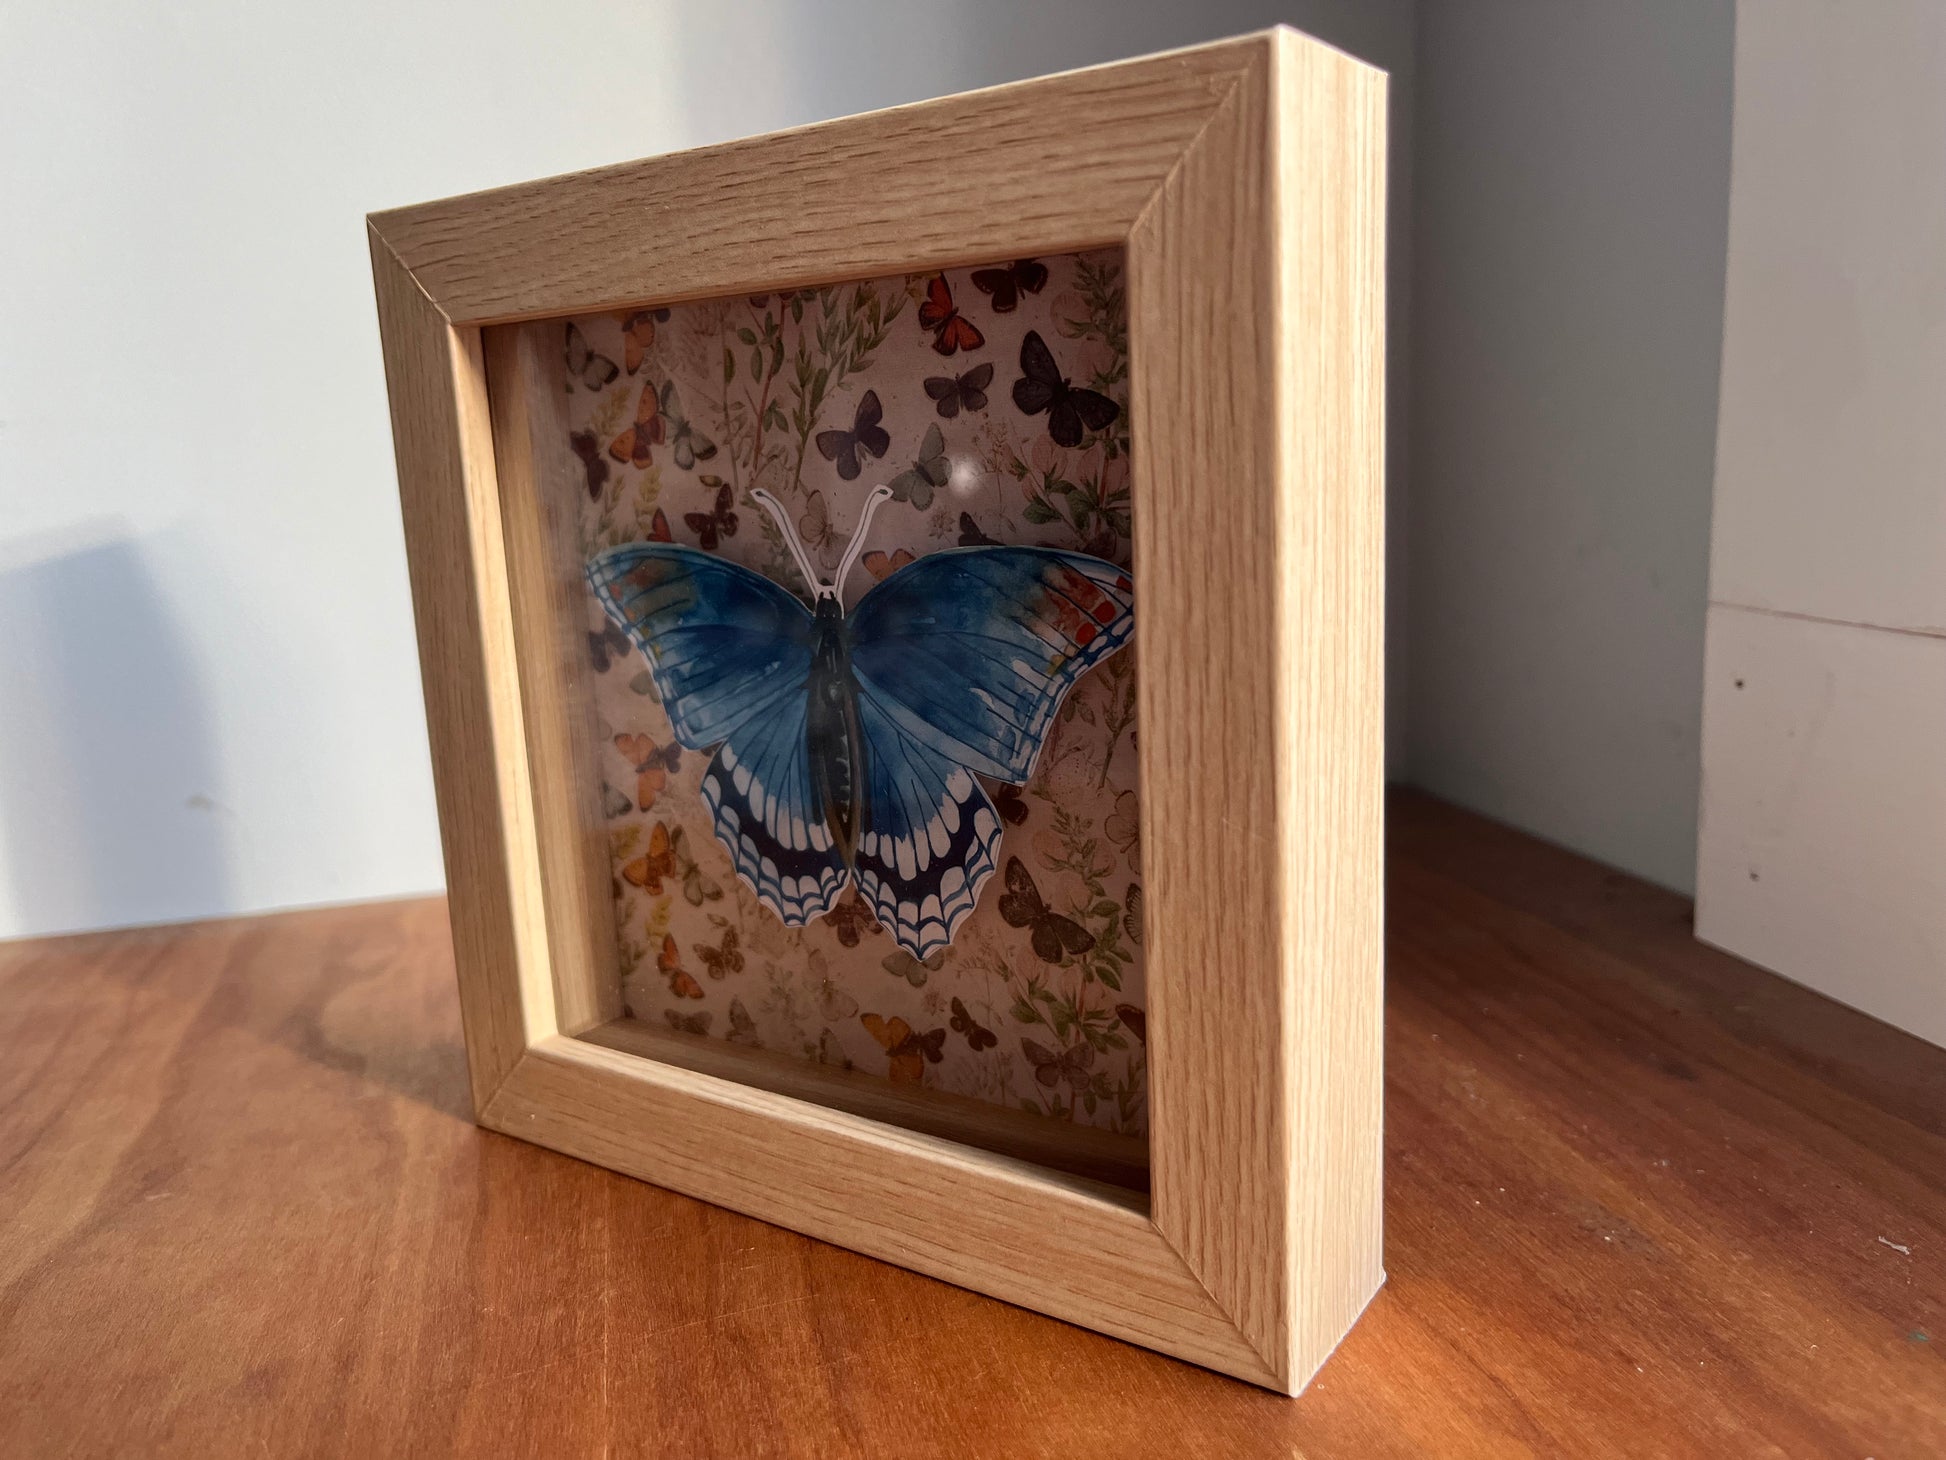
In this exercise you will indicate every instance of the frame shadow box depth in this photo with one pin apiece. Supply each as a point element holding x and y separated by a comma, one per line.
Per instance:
<point>903,677</point>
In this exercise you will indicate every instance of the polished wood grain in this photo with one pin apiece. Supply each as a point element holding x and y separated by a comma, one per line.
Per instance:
<point>1244,181</point>
<point>1642,1200</point>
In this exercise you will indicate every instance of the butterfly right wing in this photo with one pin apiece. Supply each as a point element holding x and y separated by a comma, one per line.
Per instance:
<point>730,652</point>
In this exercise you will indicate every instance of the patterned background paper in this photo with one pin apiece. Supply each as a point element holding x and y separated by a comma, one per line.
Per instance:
<point>755,380</point>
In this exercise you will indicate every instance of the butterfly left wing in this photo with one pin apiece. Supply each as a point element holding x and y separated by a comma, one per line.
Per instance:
<point>725,644</point>
<point>731,655</point>
<point>969,652</point>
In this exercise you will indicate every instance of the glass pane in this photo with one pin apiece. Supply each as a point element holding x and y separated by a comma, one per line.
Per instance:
<point>871,807</point>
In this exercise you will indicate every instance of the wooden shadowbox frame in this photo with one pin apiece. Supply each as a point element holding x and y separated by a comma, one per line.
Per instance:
<point>1245,181</point>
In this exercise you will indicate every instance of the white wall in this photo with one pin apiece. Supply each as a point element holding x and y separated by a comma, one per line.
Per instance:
<point>1823,846</point>
<point>208,692</point>
<point>1570,196</point>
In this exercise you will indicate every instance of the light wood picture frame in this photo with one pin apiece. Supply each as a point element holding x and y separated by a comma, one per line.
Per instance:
<point>1245,182</point>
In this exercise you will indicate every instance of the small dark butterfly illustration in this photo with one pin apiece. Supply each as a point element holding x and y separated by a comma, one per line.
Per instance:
<point>1071,1065</point>
<point>852,918</point>
<point>653,763</point>
<point>1042,387</point>
<point>865,435</point>
<point>743,1029</point>
<point>956,393</point>
<point>977,1034</point>
<point>592,370</point>
<point>588,448</point>
<point>951,330</point>
<point>659,527</point>
<point>638,335</point>
<point>719,522</point>
<point>1022,907</point>
<point>724,959</point>
<point>1008,801</point>
<point>607,647</point>
<point>1135,1019</point>
<point>907,1051</point>
<point>634,444</point>
<point>697,1023</point>
<point>883,565</point>
<point>917,483</point>
<point>970,534</point>
<point>686,443</point>
<point>1007,284</point>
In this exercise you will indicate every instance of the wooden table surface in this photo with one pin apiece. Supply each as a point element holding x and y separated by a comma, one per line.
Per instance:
<point>1642,1200</point>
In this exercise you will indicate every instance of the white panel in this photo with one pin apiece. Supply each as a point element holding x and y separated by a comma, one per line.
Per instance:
<point>1823,837</point>
<point>1569,215</point>
<point>1831,461</point>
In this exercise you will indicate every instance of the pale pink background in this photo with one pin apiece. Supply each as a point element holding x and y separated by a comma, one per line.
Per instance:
<point>803,991</point>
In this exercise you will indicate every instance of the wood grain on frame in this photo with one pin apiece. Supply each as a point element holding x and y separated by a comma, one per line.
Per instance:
<point>1047,166</point>
<point>448,497</point>
<point>1244,180</point>
<point>524,372</point>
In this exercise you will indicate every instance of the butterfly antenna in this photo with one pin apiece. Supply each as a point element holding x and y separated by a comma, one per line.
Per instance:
<point>857,543</point>
<point>776,510</point>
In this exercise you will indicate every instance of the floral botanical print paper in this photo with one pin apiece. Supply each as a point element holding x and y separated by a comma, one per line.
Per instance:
<point>675,416</point>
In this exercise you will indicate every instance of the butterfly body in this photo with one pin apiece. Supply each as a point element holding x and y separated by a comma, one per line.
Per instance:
<point>845,747</point>
<point>834,740</point>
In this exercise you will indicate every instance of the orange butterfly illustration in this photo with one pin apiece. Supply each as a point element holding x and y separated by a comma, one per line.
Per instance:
<point>951,330</point>
<point>633,445</point>
<point>653,763</point>
<point>726,958</point>
<point>682,983</point>
<point>638,335</point>
<point>883,565</point>
<point>907,1051</point>
<point>659,861</point>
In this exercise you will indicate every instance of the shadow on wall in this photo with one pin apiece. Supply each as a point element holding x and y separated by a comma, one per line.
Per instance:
<point>105,745</point>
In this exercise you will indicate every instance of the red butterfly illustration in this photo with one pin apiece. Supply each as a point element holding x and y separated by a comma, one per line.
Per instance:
<point>951,330</point>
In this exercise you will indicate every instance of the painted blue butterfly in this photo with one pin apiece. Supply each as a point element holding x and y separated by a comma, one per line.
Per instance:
<point>847,745</point>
